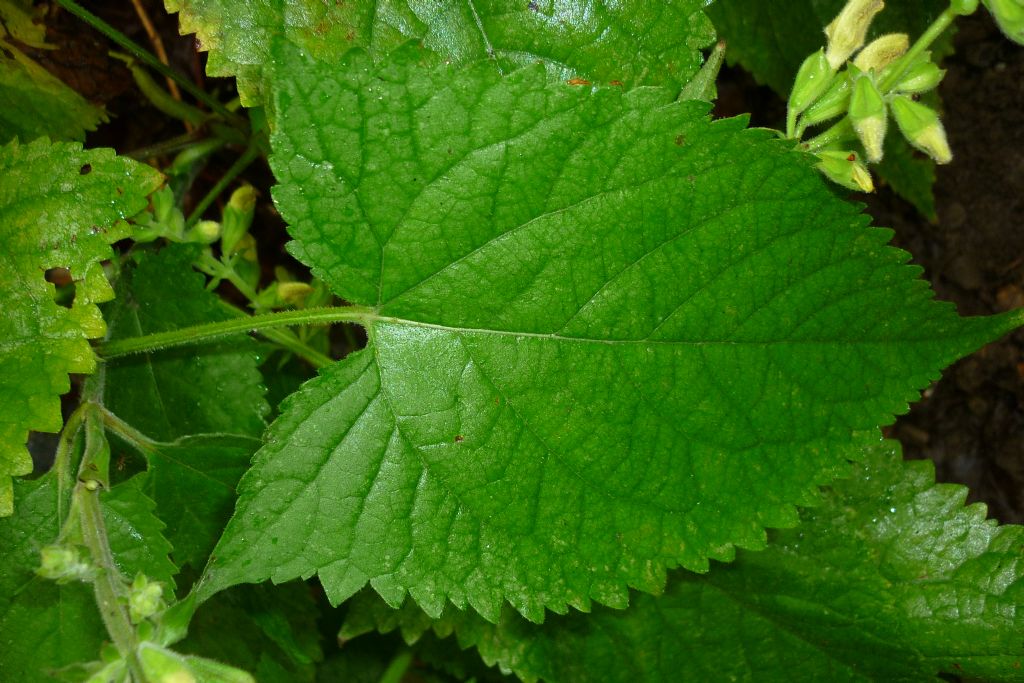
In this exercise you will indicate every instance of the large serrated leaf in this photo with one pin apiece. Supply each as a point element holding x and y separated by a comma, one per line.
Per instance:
<point>632,41</point>
<point>607,337</point>
<point>60,206</point>
<point>889,579</point>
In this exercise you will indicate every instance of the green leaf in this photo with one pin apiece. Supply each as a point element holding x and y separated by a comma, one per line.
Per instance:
<point>60,206</point>
<point>632,41</point>
<point>214,388</point>
<point>193,483</point>
<point>16,17</point>
<point>34,103</point>
<point>267,630</point>
<point>44,625</point>
<point>771,38</point>
<point>891,578</point>
<point>608,337</point>
<point>136,535</point>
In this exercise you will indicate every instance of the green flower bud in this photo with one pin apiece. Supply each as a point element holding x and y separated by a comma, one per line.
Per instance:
<point>868,116</point>
<point>1009,15</point>
<point>963,7</point>
<point>812,80</point>
<point>920,78</point>
<point>847,31</point>
<point>293,293</point>
<point>237,217</point>
<point>63,564</point>
<point>163,666</point>
<point>204,232</point>
<point>212,671</point>
<point>922,128</point>
<point>844,168</point>
<point>882,51</point>
<point>833,103</point>
<point>145,599</point>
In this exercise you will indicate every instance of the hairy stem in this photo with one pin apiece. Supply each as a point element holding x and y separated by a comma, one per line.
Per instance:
<point>225,328</point>
<point>286,339</point>
<point>937,28</point>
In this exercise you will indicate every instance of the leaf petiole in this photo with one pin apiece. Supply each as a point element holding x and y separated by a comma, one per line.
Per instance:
<point>224,328</point>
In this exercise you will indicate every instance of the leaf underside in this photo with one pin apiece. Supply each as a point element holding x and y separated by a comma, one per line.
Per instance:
<point>632,41</point>
<point>61,207</point>
<point>890,578</point>
<point>610,337</point>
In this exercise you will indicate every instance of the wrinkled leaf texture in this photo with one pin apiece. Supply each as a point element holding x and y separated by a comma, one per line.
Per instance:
<point>608,337</point>
<point>890,578</point>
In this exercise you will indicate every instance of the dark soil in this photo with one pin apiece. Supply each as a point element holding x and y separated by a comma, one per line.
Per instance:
<point>971,423</point>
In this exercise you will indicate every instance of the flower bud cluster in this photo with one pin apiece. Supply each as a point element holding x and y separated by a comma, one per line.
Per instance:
<point>868,84</point>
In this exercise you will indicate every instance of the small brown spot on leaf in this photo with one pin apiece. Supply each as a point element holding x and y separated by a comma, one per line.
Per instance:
<point>85,170</point>
<point>578,81</point>
<point>618,83</point>
<point>680,140</point>
<point>459,438</point>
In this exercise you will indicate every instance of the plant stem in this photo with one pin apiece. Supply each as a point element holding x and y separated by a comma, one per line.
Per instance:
<point>937,28</point>
<point>224,328</point>
<point>287,340</point>
<point>109,584</point>
<point>241,163</point>
<point>397,667</point>
<point>147,58</point>
<point>842,130</point>
<point>175,144</point>
<point>62,459</point>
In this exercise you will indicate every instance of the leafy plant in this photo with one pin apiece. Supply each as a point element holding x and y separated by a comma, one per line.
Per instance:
<point>608,340</point>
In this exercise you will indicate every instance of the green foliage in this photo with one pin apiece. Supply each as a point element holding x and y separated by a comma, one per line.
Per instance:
<point>475,442</point>
<point>889,563</point>
<point>616,418</point>
<point>60,207</point>
<point>632,42</point>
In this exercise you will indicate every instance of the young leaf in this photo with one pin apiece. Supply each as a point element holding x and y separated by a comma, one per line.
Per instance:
<point>210,389</point>
<point>136,535</point>
<point>608,337</point>
<point>62,207</point>
<point>889,579</point>
<point>34,103</point>
<point>633,42</point>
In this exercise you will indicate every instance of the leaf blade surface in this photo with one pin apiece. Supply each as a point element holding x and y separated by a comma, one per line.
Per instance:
<point>609,337</point>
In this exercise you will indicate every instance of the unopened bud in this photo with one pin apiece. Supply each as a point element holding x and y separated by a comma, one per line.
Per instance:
<point>293,293</point>
<point>921,127</point>
<point>1009,15</point>
<point>163,666</point>
<point>847,31</point>
<point>844,168</point>
<point>812,80</point>
<point>209,670</point>
<point>833,103</point>
<point>882,51</point>
<point>920,78</point>
<point>237,217</point>
<point>63,564</point>
<point>204,232</point>
<point>963,7</point>
<point>868,116</point>
<point>145,599</point>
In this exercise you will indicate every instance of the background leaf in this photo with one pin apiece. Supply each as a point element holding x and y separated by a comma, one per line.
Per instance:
<point>60,206</point>
<point>604,339</point>
<point>889,579</point>
<point>634,42</point>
